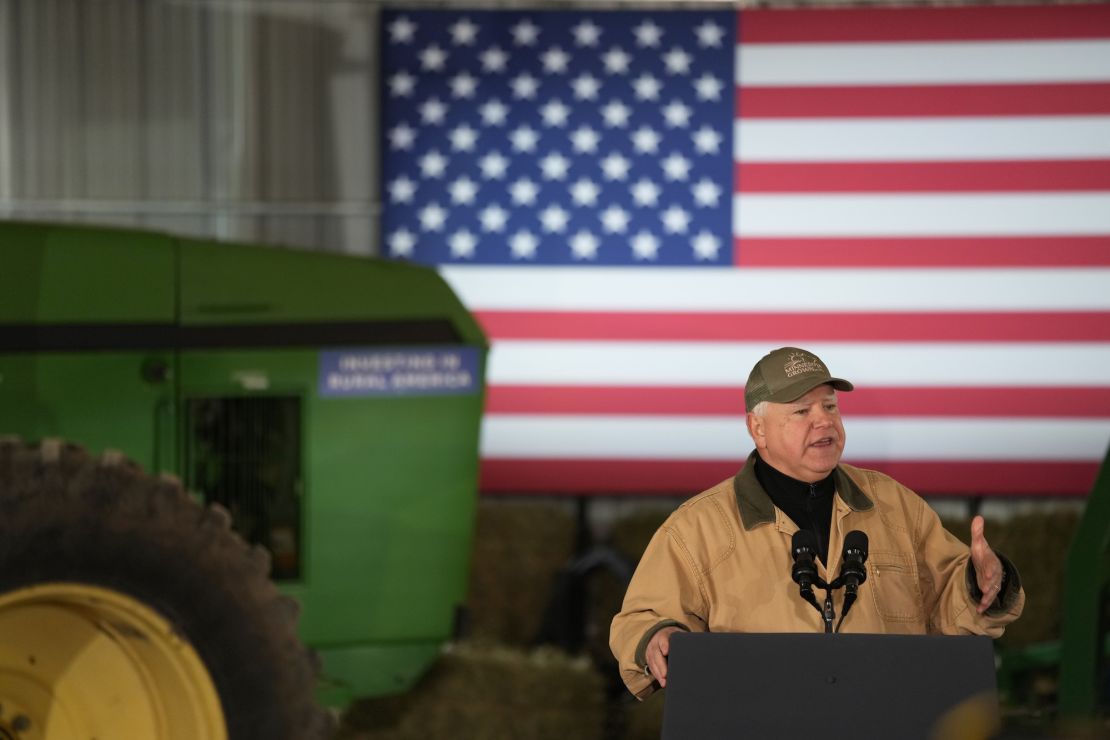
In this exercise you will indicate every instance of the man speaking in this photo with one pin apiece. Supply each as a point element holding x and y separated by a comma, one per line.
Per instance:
<point>722,561</point>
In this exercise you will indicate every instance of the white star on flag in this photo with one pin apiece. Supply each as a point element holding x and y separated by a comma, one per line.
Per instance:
<point>554,166</point>
<point>585,87</point>
<point>402,84</point>
<point>615,167</point>
<point>645,246</point>
<point>584,245</point>
<point>677,61</point>
<point>675,220</point>
<point>494,59</point>
<point>705,246</point>
<point>464,32</point>
<point>555,60</point>
<point>584,192</point>
<point>587,33</point>
<point>433,59</point>
<point>402,243</point>
<point>645,193</point>
<point>523,245</point>
<point>433,217</point>
<point>463,191</point>
<point>463,138</point>
<point>676,167</point>
<point>524,139</point>
<point>616,61</point>
<point>402,137</point>
<point>525,86</point>
<point>494,113</point>
<point>401,31</point>
<point>585,140</point>
<point>524,192</point>
<point>648,34</point>
<point>614,220</point>
<point>493,218</point>
<point>464,85</point>
<point>493,165</point>
<point>433,165</point>
<point>554,219</point>
<point>463,243</point>
<point>525,33</point>
<point>401,190</point>
<point>647,87</point>
<point>646,140</point>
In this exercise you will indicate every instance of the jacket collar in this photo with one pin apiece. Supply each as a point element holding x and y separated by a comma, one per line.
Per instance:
<point>756,507</point>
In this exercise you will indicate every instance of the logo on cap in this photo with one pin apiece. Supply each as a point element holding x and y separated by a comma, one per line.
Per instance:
<point>799,363</point>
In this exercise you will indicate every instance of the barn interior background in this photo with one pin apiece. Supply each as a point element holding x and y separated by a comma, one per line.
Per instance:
<point>925,203</point>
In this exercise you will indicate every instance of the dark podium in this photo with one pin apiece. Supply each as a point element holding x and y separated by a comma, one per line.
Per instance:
<point>823,686</point>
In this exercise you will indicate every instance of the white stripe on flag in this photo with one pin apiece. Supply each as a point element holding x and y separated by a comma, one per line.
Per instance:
<point>780,290</point>
<point>596,363</point>
<point>724,438</point>
<point>949,62</point>
<point>926,214</point>
<point>970,138</point>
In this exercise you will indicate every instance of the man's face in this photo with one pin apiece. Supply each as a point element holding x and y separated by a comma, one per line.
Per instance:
<point>803,438</point>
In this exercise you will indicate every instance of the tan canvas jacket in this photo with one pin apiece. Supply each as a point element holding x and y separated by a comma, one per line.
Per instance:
<point>721,563</point>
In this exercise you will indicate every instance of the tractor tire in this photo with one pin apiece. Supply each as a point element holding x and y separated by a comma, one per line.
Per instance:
<point>129,610</point>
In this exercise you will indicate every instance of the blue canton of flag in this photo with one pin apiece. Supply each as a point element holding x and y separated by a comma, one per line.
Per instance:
<point>546,137</point>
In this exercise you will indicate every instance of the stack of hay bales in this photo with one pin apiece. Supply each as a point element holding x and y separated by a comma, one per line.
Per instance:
<point>498,684</point>
<point>519,547</point>
<point>489,693</point>
<point>1037,543</point>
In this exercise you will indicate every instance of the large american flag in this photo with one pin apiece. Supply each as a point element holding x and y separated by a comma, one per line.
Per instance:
<point>639,205</point>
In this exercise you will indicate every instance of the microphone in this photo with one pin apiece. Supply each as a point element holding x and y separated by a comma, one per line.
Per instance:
<point>852,572</point>
<point>802,547</point>
<point>852,560</point>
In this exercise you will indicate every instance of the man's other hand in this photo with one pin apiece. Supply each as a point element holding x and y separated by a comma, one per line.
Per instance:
<point>657,650</point>
<point>988,568</point>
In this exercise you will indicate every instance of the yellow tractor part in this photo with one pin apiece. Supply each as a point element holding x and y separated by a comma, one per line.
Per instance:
<point>80,661</point>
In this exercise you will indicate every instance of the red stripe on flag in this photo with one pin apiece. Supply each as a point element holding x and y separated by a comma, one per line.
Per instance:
<point>1008,251</point>
<point>911,177</point>
<point>1054,402</point>
<point>687,477</point>
<point>1027,326</point>
<point>922,101</point>
<point>1078,21</point>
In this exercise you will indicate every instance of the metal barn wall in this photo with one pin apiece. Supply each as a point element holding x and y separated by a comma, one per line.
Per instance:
<point>241,120</point>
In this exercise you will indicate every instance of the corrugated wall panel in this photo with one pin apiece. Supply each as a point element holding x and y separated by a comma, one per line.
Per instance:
<point>238,120</point>
<point>110,86</point>
<point>172,124</point>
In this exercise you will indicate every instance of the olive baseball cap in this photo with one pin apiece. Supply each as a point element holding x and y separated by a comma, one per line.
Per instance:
<point>786,374</point>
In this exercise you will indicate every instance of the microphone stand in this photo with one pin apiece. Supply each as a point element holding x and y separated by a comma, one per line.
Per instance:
<point>804,573</point>
<point>828,614</point>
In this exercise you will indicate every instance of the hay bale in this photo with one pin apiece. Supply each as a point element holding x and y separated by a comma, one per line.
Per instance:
<point>484,692</point>
<point>1037,543</point>
<point>519,547</point>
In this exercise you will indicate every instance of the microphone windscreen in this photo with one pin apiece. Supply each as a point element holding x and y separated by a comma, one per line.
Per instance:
<point>856,540</point>
<point>803,540</point>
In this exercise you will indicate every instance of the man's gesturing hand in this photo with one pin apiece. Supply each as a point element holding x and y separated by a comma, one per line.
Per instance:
<point>657,650</point>
<point>988,568</point>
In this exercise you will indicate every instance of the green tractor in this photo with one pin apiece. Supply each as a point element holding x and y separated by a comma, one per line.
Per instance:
<point>236,483</point>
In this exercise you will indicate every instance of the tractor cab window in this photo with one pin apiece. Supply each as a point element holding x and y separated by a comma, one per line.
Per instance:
<point>244,453</point>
